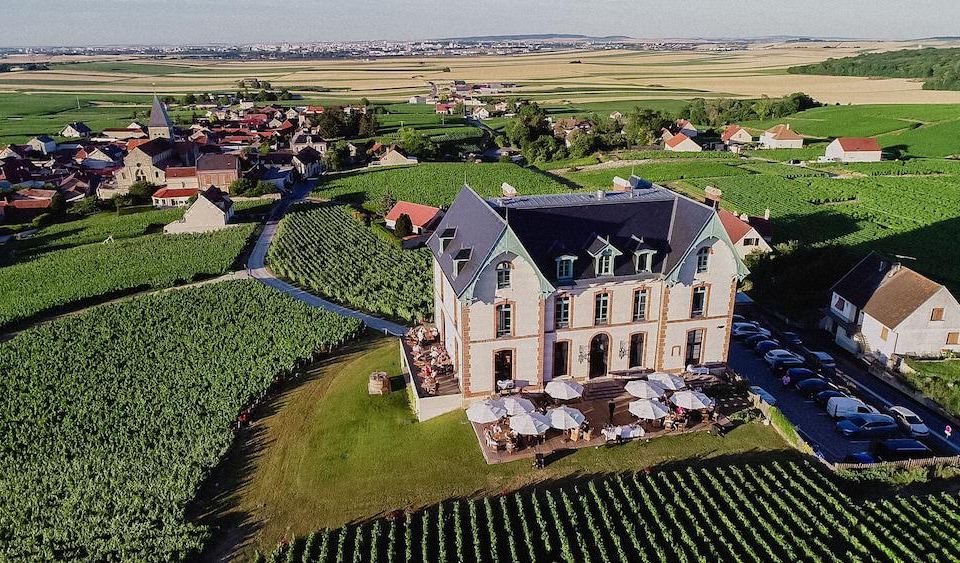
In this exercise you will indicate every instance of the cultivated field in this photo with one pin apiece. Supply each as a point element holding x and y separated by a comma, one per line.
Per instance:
<point>573,76</point>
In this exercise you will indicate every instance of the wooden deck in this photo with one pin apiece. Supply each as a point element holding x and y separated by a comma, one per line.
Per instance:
<point>447,383</point>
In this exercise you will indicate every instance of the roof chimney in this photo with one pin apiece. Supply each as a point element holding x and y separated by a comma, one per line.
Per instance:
<point>766,214</point>
<point>507,190</point>
<point>894,268</point>
<point>600,194</point>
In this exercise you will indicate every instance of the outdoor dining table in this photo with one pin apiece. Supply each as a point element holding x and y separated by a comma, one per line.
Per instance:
<point>506,385</point>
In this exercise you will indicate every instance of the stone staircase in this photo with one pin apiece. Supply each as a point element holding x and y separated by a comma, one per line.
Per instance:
<point>603,390</point>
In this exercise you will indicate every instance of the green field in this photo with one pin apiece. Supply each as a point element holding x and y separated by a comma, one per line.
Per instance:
<point>937,380</point>
<point>329,251</point>
<point>113,418</point>
<point>64,279</point>
<point>772,512</point>
<point>658,172</point>
<point>434,183</point>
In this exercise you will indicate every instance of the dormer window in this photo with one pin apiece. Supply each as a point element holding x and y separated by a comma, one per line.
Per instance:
<point>605,264</point>
<point>445,237</point>
<point>503,274</point>
<point>644,260</point>
<point>462,258</point>
<point>565,267</point>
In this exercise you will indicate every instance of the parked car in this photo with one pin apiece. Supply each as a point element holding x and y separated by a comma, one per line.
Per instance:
<point>909,422</point>
<point>779,354</point>
<point>812,386</point>
<point>867,426</point>
<point>823,396</point>
<point>791,339</point>
<point>842,407</point>
<point>752,340</point>
<point>743,330</point>
<point>793,375</point>
<point>739,318</point>
<point>821,360</point>
<point>765,346</point>
<point>764,395</point>
<point>779,367</point>
<point>896,449</point>
<point>860,457</point>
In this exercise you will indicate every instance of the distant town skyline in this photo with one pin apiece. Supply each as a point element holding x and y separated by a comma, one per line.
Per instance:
<point>115,22</point>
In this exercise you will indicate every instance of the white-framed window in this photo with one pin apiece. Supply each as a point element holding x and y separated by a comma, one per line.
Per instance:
<point>699,305</point>
<point>703,259</point>
<point>751,241</point>
<point>644,262</point>
<point>561,312</point>
<point>601,309</point>
<point>504,319</point>
<point>605,264</point>
<point>640,304</point>
<point>503,274</point>
<point>565,268</point>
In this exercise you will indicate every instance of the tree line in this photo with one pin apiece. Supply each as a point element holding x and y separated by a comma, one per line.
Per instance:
<point>939,68</point>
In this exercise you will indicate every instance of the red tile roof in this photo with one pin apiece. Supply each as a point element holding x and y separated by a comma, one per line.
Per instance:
<point>859,144</point>
<point>736,227</point>
<point>420,215</point>
<point>31,203</point>
<point>676,140</point>
<point>729,132</point>
<point>181,172</point>
<point>784,133</point>
<point>175,192</point>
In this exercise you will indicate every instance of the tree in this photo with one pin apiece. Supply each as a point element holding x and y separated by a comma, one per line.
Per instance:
<point>189,99</point>
<point>545,148</point>
<point>58,205</point>
<point>142,191</point>
<point>404,226</point>
<point>337,156</point>
<point>264,149</point>
<point>241,186</point>
<point>414,143</point>
<point>364,102</point>
<point>583,144</point>
<point>643,125</point>
<point>386,203</point>
<point>330,124</point>
<point>367,125</point>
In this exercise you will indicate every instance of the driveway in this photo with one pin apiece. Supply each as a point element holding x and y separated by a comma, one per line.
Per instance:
<point>257,268</point>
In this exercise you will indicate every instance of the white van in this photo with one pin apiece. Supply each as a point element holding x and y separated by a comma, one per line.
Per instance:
<point>842,407</point>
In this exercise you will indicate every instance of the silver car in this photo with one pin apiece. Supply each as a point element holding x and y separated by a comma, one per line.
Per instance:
<point>909,422</point>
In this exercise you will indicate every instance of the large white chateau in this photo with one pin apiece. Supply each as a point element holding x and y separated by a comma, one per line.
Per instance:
<point>579,284</point>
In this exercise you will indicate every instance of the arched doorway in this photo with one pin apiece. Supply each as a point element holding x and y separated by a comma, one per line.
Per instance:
<point>599,352</point>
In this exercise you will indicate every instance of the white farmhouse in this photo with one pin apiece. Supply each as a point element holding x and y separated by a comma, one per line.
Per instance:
<point>212,211</point>
<point>883,310</point>
<point>681,143</point>
<point>734,136</point>
<point>854,149</point>
<point>583,285</point>
<point>748,234</point>
<point>781,137</point>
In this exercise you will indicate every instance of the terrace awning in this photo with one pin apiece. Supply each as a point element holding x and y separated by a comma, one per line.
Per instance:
<point>642,389</point>
<point>564,389</point>
<point>669,381</point>
<point>517,405</point>
<point>648,409</point>
<point>693,400</point>
<point>529,424</point>
<point>565,418</point>
<point>486,411</point>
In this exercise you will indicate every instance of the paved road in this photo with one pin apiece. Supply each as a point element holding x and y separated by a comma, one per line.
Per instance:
<point>256,266</point>
<point>814,422</point>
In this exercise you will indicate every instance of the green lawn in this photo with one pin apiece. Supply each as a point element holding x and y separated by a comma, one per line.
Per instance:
<point>332,454</point>
<point>939,381</point>
<point>657,172</point>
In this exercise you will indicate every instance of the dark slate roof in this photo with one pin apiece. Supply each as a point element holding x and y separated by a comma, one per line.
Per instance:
<point>576,224</point>
<point>155,146</point>
<point>217,197</point>
<point>885,290</point>
<point>158,115</point>
<point>308,155</point>
<point>573,224</point>
<point>477,226</point>
<point>218,162</point>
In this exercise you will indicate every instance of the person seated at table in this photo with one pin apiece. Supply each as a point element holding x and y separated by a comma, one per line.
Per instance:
<point>497,429</point>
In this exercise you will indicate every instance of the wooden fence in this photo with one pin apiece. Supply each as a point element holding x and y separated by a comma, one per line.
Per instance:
<point>902,464</point>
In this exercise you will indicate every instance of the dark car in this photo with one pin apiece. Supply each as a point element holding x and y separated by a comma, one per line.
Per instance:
<point>823,396</point>
<point>793,375</point>
<point>752,341</point>
<point>860,457</point>
<point>821,360</point>
<point>867,426</point>
<point>791,339</point>
<point>739,319</point>
<point>812,386</point>
<point>765,346</point>
<point>780,366</point>
<point>897,449</point>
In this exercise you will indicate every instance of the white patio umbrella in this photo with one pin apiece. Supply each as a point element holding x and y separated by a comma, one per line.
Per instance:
<point>565,418</point>
<point>564,389</point>
<point>648,409</point>
<point>693,400</point>
<point>669,381</point>
<point>485,411</point>
<point>529,423</point>
<point>642,389</point>
<point>517,405</point>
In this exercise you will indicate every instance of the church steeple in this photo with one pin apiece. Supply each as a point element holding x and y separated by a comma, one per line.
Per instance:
<point>160,126</point>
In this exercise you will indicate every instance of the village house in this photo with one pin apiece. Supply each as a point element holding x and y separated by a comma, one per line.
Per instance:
<point>422,217</point>
<point>212,211</point>
<point>532,288</point>
<point>884,310</point>
<point>173,197</point>
<point>43,144</point>
<point>76,130</point>
<point>308,163</point>
<point>748,234</point>
<point>124,134</point>
<point>854,149</point>
<point>734,136</point>
<point>148,162</point>
<point>393,157</point>
<point>781,137</point>
<point>683,126</point>
<point>181,177</point>
<point>681,143</point>
<point>302,140</point>
<point>219,170</point>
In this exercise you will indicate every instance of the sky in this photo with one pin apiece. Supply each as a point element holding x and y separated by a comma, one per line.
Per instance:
<point>113,22</point>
